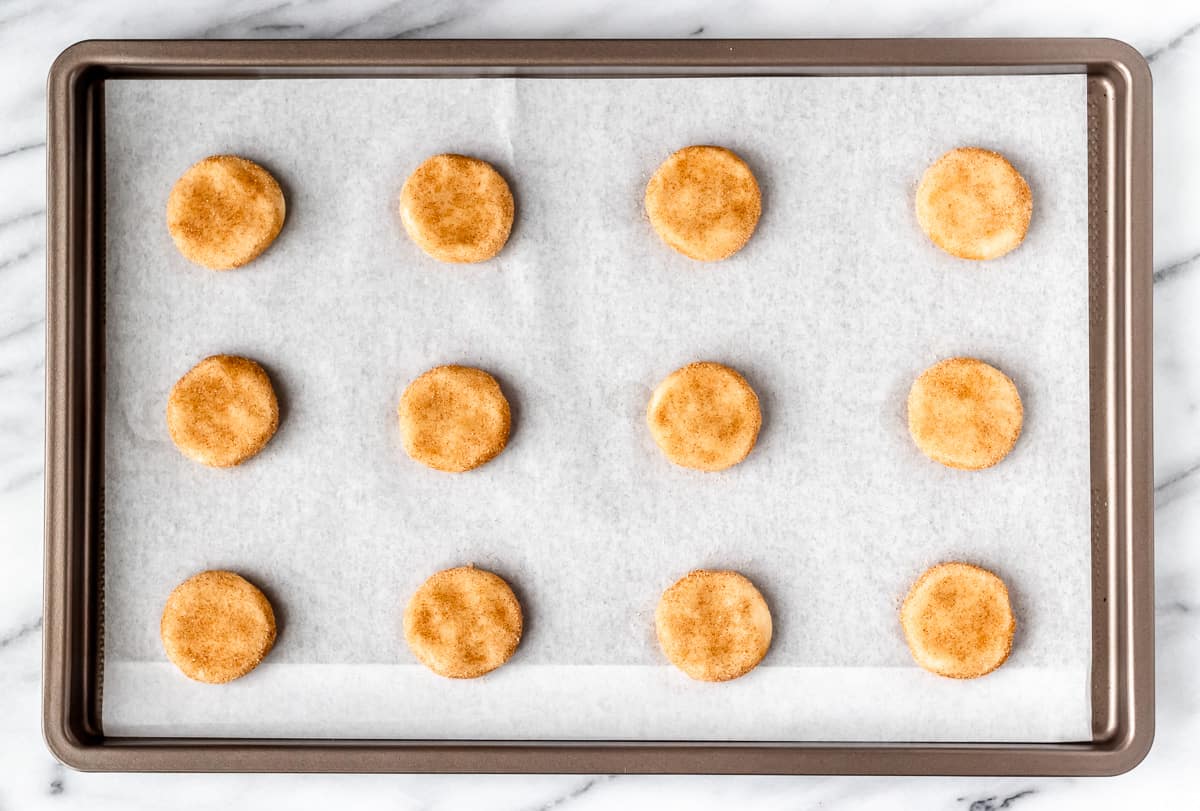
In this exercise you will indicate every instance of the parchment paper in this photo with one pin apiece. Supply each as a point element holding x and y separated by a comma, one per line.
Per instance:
<point>832,309</point>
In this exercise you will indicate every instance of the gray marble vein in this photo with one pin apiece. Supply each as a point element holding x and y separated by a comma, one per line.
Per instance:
<point>1178,487</point>
<point>1175,42</point>
<point>1177,268</point>
<point>1176,478</point>
<point>17,150</point>
<point>585,787</point>
<point>381,24</point>
<point>996,803</point>
<point>18,480</point>
<point>275,28</point>
<point>18,258</point>
<point>24,329</point>
<point>1174,607</point>
<point>58,780</point>
<point>23,217</point>
<point>240,25</point>
<point>15,16</point>
<point>21,632</point>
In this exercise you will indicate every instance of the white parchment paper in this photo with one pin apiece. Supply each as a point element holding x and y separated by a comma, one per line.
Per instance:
<point>832,309</point>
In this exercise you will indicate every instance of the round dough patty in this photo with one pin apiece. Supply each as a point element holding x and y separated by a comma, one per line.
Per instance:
<point>224,212</point>
<point>217,627</point>
<point>973,204</point>
<point>964,413</point>
<point>704,202</point>
<point>958,621</point>
<point>704,416</point>
<point>713,625</point>
<point>223,411</point>
<point>462,623</point>
<point>457,209</point>
<point>454,418</point>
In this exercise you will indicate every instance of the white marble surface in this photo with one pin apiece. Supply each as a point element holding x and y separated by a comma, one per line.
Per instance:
<point>32,33</point>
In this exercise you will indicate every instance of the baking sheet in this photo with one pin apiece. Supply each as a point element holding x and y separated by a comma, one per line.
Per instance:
<point>836,304</point>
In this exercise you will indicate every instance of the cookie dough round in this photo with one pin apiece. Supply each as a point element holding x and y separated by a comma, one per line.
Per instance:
<point>964,413</point>
<point>958,621</point>
<point>454,418</point>
<point>462,623</point>
<point>973,204</point>
<point>713,625</point>
<point>457,209</point>
<point>704,416</point>
<point>217,627</point>
<point>224,212</point>
<point>223,411</point>
<point>704,202</point>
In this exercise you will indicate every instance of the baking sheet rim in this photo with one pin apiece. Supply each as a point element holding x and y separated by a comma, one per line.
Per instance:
<point>1121,740</point>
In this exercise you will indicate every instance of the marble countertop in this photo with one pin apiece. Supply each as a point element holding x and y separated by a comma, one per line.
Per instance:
<point>32,33</point>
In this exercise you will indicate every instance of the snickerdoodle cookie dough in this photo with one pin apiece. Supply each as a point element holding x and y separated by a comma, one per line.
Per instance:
<point>457,209</point>
<point>463,622</point>
<point>713,625</point>
<point>224,211</point>
<point>704,416</point>
<point>973,204</point>
<point>217,627</point>
<point>454,418</point>
<point>704,202</point>
<point>964,413</point>
<point>223,411</point>
<point>958,621</point>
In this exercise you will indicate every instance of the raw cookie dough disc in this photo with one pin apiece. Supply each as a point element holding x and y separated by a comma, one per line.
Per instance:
<point>454,418</point>
<point>704,202</point>
<point>224,211</point>
<point>462,623</point>
<point>223,411</point>
<point>714,626</point>
<point>217,627</point>
<point>958,621</point>
<point>457,209</point>
<point>964,413</point>
<point>973,204</point>
<point>704,416</point>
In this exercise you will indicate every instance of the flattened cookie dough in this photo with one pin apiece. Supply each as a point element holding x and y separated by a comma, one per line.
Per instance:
<point>223,411</point>
<point>454,418</point>
<point>457,209</point>
<point>462,623</point>
<point>713,625</point>
<point>964,413</point>
<point>958,621</point>
<point>704,202</point>
<point>217,627</point>
<point>704,416</point>
<point>224,212</point>
<point>973,204</point>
